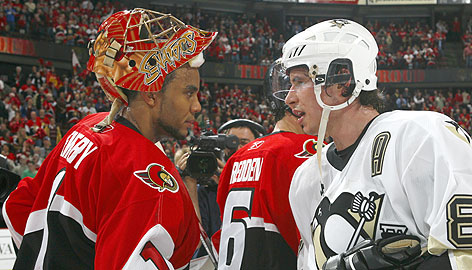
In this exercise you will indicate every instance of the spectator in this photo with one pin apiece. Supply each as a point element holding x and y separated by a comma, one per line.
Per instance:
<point>10,14</point>
<point>30,171</point>
<point>21,166</point>
<point>467,55</point>
<point>3,22</point>
<point>418,100</point>
<point>402,103</point>
<point>53,132</point>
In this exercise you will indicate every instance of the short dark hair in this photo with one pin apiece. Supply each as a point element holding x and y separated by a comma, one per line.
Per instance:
<point>373,99</point>
<point>131,94</point>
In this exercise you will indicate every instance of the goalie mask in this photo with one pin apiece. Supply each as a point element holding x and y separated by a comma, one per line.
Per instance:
<point>136,49</point>
<point>336,51</point>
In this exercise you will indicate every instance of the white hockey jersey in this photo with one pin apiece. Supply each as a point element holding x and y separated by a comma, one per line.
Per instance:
<point>411,173</point>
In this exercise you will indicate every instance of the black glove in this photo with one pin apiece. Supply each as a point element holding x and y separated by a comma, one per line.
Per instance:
<point>397,252</point>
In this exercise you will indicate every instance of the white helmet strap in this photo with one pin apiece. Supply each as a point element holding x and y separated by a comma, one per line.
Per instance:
<point>325,115</point>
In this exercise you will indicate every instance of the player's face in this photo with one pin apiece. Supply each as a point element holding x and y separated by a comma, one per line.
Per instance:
<point>301,99</point>
<point>179,104</point>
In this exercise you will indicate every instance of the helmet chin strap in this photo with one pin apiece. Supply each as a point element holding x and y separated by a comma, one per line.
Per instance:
<point>325,117</point>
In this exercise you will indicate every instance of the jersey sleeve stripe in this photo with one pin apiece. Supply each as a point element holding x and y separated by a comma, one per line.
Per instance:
<point>67,209</point>
<point>35,221</point>
<point>257,222</point>
<point>17,238</point>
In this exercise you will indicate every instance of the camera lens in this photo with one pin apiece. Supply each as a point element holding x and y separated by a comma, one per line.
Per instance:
<point>202,164</point>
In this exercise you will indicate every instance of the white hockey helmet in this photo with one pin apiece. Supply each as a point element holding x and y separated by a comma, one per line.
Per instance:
<point>327,48</point>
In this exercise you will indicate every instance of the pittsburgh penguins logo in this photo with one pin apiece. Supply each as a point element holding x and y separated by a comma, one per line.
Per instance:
<point>339,23</point>
<point>340,225</point>
<point>309,149</point>
<point>458,131</point>
<point>158,178</point>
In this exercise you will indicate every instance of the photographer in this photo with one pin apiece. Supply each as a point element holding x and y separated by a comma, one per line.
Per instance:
<point>246,131</point>
<point>203,190</point>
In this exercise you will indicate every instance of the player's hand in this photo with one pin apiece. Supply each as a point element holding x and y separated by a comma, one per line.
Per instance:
<point>397,252</point>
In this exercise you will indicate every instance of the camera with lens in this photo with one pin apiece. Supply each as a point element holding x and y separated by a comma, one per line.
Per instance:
<point>205,150</point>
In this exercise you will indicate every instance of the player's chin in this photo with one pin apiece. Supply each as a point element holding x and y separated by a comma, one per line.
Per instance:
<point>182,134</point>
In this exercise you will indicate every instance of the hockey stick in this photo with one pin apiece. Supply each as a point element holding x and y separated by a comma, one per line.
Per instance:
<point>366,208</point>
<point>208,245</point>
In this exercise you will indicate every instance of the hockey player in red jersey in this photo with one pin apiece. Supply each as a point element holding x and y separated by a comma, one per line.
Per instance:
<point>258,229</point>
<point>107,197</point>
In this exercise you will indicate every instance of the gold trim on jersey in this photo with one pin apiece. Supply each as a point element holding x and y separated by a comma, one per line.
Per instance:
<point>320,256</point>
<point>436,247</point>
<point>463,259</point>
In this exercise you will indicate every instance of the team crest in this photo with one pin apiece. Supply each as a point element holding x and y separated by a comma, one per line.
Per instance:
<point>339,23</point>
<point>158,60</point>
<point>158,178</point>
<point>340,225</point>
<point>309,149</point>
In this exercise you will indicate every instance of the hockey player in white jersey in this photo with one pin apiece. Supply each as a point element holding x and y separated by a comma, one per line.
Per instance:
<point>393,190</point>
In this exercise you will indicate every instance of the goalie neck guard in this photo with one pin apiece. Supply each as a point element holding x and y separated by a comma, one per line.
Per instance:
<point>136,49</point>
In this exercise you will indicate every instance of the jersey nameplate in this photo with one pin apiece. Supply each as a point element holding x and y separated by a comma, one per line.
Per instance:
<point>246,170</point>
<point>77,145</point>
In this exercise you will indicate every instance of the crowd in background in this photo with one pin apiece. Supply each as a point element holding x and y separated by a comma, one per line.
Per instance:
<point>38,106</point>
<point>467,42</point>
<point>408,45</point>
<point>246,39</point>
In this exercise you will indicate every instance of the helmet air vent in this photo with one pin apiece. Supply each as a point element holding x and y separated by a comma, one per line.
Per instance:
<point>330,36</point>
<point>364,44</point>
<point>348,38</point>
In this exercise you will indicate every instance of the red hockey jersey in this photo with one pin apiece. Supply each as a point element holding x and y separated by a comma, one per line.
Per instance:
<point>109,200</point>
<point>258,229</point>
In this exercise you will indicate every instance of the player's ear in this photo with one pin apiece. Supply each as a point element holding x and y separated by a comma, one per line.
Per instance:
<point>151,98</point>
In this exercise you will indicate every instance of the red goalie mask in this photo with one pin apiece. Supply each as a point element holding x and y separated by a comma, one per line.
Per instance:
<point>137,49</point>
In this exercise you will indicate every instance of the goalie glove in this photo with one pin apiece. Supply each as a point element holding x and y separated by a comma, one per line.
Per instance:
<point>397,252</point>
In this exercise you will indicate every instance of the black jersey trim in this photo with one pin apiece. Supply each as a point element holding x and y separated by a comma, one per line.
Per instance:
<point>339,159</point>
<point>125,122</point>
<point>267,250</point>
<point>67,246</point>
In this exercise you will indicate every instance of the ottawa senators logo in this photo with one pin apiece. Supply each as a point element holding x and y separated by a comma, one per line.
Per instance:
<point>309,149</point>
<point>158,178</point>
<point>158,60</point>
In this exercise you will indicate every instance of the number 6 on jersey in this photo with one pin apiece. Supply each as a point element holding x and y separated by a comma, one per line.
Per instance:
<point>237,213</point>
